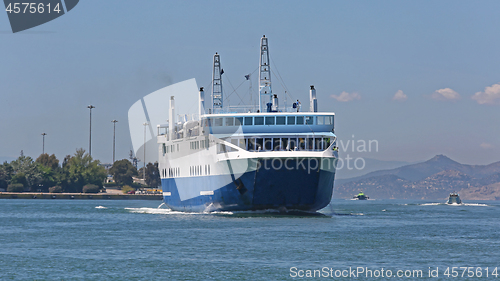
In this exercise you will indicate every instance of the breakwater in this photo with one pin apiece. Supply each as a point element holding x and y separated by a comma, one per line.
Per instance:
<point>90,196</point>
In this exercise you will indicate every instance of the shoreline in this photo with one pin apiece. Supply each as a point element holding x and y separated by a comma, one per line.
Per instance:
<point>79,196</point>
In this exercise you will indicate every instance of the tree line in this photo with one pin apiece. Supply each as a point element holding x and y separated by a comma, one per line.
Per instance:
<point>76,174</point>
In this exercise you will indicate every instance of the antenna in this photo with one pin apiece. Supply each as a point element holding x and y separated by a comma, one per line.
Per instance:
<point>265,93</point>
<point>250,90</point>
<point>217,85</point>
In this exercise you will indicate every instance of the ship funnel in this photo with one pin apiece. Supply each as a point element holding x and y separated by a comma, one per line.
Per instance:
<point>171,121</point>
<point>313,102</point>
<point>201,105</point>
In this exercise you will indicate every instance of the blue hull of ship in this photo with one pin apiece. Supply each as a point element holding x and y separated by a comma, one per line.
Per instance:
<point>262,189</point>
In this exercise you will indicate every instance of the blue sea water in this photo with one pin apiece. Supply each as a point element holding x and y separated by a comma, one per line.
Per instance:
<point>134,240</point>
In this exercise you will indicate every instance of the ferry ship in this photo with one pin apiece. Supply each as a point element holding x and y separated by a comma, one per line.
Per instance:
<point>248,158</point>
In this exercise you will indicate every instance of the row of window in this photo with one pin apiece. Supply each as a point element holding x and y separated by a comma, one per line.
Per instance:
<point>199,170</point>
<point>277,144</point>
<point>199,144</point>
<point>171,172</point>
<point>262,144</point>
<point>170,148</point>
<point>268,120</point>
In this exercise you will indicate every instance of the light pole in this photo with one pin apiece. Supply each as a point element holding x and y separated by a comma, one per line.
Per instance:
<point>43,142</point>
<point>90,134</point>
<point>114,131</point>
<point>144,160</point>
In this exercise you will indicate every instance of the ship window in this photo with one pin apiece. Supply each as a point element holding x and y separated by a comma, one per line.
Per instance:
<point>293,144</point>
<point>327,143</point>
<point>317,144</point>
<point>310,144</point>
<point>259,144</point>
<point>302,144</point>
<point>251,144</point>
<point>328,120</point>
<point>284,144</point>
<point>309,120</point>
<point>300,120</point>
<point>229,121</point>
<point>222,148</point>
<point>248,121</point>
<point>259,120</point>
<point>291,120</point>
<point>269,120</point>
<point>320,120</point>
<point>238,121</point>
<point>241,143</point>
<point>277,144</point>
<point>234,141</point>
<point>164,147</point>
<point>268,144</point>
<point>217,122</point>
<point>280,120</point>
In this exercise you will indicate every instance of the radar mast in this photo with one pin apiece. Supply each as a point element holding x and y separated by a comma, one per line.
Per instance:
<point>217,85</point>
<point>265,93</point>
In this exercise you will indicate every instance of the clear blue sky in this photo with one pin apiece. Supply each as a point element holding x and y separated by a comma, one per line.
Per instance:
<point>112,53</point>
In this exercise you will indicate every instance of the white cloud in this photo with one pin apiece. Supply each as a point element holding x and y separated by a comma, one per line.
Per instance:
<point>445,94</point>
<point>486,145</point>
<point>400,96</point>
<point>491,95</point>
<point>345,97</point>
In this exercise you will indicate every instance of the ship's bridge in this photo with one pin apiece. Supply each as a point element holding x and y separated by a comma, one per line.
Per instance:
<point>265,123</point>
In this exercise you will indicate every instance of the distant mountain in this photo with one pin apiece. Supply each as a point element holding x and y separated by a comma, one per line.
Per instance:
<point>371,165</point>
<point>438,163</point>
<point>488,192</point>
<point>432,179</point>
